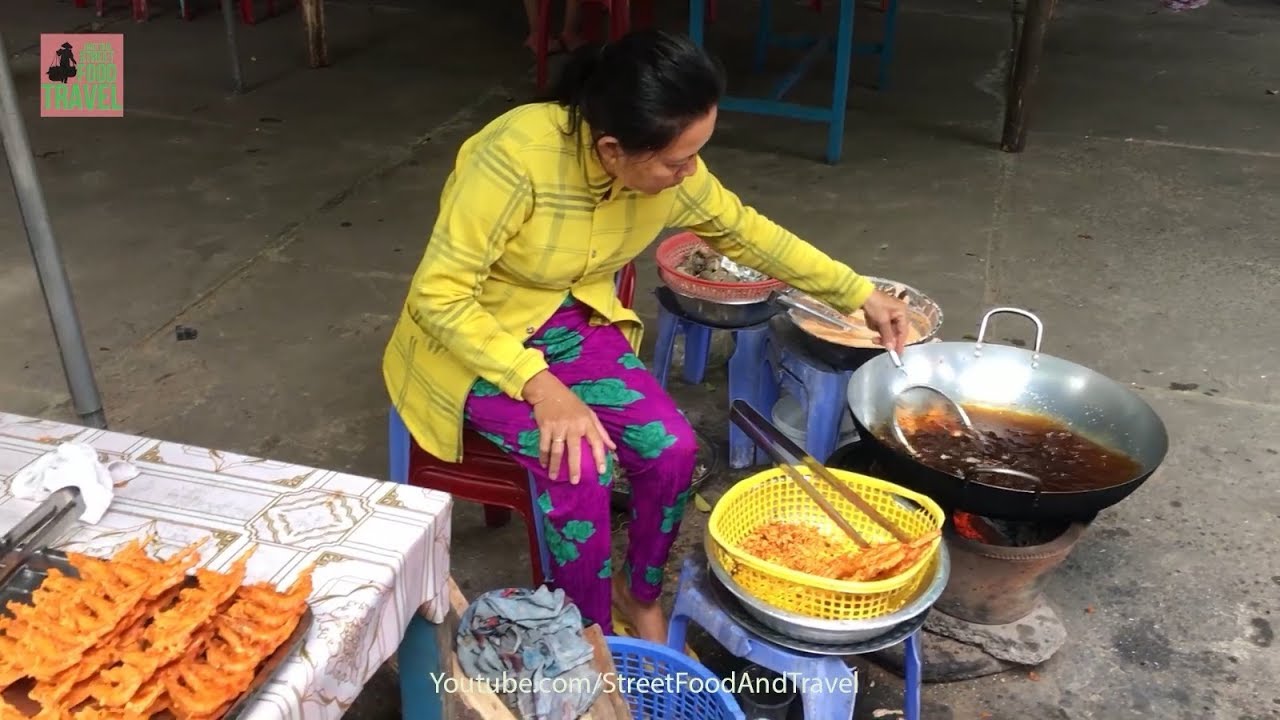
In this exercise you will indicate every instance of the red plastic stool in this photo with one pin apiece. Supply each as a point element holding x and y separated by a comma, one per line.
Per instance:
<point>137,7</point>
<point>487,476</point>
<point>248,15</point>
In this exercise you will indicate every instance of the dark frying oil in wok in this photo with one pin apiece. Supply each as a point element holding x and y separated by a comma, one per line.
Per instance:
<point>1035,444</point>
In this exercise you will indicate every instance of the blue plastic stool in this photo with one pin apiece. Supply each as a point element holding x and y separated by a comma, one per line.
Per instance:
<point>655,682</point>
<point>418,654</point>
<point>695,603</point>
<point>746,369</point>
<point>820,389</point>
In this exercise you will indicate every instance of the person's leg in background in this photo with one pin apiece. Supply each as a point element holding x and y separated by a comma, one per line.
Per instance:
<point>531,42</point>
<point>569,38</point>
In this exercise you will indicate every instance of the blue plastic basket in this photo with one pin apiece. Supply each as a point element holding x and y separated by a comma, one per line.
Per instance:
<point>662,684</point>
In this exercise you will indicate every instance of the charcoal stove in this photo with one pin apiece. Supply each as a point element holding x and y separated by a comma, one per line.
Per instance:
<point>993,615</point>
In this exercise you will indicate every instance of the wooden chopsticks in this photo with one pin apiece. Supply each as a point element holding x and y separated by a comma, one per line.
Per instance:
<point>788,455</point>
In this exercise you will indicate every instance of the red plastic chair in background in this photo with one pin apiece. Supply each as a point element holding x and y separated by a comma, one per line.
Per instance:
<point>185,8</point>
<point>138,8</point>
<point>619,12</point>
<point>247,14</point>
<point>487,476</point>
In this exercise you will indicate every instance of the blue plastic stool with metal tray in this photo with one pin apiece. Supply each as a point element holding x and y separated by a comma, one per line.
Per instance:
<point>829,686</point>
<point>820,388</point>
<point>746,368</point>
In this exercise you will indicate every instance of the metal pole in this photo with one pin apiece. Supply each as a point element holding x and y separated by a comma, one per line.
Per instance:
<point>49,269</point>
<point>229,20</point>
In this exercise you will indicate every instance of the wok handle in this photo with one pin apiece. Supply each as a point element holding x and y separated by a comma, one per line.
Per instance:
<point>982,327</point>
<point>788,455</point>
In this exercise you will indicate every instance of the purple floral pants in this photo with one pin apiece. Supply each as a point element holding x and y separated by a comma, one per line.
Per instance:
<point>656,448</point>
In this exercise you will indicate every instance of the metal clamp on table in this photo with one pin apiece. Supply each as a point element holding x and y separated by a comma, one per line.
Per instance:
<point>845,48</point>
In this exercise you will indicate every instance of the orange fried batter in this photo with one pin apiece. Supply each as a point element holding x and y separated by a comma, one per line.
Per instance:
<point>808,549</point>
<point>258,621</point>
<point>133,637</point>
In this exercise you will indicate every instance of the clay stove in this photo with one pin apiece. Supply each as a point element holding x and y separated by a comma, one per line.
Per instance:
<point>994,615</point>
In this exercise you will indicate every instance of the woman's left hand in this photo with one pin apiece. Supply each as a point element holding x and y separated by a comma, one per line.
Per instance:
<point>887,315</point>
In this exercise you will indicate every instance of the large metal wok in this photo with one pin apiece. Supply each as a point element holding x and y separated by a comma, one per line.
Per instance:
<point>1002,376</point>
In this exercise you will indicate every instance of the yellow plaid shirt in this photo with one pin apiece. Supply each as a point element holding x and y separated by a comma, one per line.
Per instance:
<point>529,214</point>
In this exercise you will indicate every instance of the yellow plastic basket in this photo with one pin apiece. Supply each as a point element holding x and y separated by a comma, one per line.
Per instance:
<point>771,496</point>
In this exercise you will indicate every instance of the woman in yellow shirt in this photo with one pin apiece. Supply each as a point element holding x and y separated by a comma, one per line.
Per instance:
<point>512,327</point>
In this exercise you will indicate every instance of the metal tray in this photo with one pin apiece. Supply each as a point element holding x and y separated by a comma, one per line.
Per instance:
<point>733,607</point>
<point>832,632</point>
<point>27,578</point>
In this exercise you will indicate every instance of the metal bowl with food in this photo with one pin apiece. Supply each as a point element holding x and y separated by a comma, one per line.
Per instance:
<point>848,350</point>
<point>717,314</point>
<point>710,288</point>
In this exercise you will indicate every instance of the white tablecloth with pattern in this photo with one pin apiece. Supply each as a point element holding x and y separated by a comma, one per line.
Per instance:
<point>381,550</point>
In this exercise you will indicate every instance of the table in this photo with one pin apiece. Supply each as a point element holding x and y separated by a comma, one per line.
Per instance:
<point>1031,25</point>
<point>840,40</point>
<point>381,552</point>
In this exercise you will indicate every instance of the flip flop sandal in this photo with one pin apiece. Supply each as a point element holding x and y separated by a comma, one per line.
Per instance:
<point>622,628</point>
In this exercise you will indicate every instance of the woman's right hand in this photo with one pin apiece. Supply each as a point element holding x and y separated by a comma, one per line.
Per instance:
<point>564,421</point>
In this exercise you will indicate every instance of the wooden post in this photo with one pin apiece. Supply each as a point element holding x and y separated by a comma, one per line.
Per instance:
<point>1026,65</point>
<point>233,47</point>
<point>313,21</point>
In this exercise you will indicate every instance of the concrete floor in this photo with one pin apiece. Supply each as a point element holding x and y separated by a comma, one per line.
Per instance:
<point>1140,224</point>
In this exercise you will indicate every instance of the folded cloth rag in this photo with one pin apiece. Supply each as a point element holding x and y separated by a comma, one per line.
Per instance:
<point>530,641</point>
<point>73,465</point>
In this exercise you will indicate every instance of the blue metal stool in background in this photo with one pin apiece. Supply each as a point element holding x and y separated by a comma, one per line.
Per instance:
<point>845,49</point>
<point>820,388</point>
<point>746,368</point>
<point>829,686</point>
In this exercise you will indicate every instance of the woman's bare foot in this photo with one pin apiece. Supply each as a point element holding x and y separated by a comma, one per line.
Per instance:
<point>554,45</point>
<point>570,40</point>
<point>646,617</point>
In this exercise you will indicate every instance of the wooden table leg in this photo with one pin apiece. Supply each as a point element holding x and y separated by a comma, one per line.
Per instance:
<point>313,21</point>
<point>1026,65</point>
